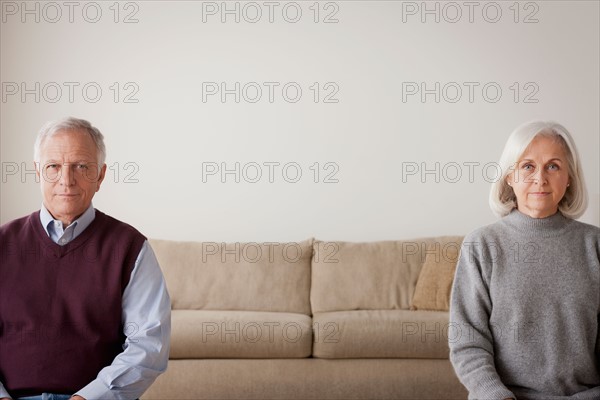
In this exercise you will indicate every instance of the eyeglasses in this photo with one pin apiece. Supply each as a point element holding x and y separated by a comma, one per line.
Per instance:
<point>52,171</point>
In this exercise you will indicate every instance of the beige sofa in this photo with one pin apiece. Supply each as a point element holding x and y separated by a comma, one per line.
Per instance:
<point>308,320</point>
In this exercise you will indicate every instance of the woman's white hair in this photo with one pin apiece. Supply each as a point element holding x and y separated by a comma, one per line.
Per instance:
<point>502,197</point>
<point>70,124</point>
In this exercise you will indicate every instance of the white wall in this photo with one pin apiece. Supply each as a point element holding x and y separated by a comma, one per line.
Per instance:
<point>371,134</point>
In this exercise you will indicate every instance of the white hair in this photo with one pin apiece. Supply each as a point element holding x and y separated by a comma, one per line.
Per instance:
<point>74,125</point>
<point>502,197</point>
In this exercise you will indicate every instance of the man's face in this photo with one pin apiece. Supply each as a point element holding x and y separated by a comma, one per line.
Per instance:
<point>69,174</point>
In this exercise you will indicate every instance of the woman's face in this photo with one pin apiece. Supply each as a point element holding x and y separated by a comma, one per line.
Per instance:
<point>541,177</point>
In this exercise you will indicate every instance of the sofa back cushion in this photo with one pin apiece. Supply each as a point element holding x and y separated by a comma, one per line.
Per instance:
<point>371,276</point>
<point>237,276</point>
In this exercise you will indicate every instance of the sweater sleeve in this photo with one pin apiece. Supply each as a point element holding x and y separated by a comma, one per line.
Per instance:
<point>471,347</point>
<point>598,341</point>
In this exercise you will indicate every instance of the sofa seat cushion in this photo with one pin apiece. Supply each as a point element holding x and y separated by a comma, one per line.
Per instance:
<point>239,334</point>
<point>308,378</point>
<point>250,276</point>
<point>381,334</point>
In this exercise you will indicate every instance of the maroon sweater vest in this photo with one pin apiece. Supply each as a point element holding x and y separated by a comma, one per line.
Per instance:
<point>61,306</point>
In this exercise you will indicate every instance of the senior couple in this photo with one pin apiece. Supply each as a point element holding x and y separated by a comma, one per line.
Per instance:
<point>85,313</point>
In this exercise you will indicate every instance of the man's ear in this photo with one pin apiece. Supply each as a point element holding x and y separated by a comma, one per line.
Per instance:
<point>101,176</point>
<point>36,165</point>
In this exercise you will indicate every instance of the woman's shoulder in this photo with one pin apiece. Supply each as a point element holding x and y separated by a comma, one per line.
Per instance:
<point>488,232</point>
<point>585,227</point>
<point>585,231</point>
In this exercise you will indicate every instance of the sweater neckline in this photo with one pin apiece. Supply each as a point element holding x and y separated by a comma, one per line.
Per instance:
<point>57,249</point>
<point>553,225</point>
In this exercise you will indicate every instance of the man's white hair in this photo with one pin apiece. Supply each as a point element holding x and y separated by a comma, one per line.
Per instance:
<point>70,124</point>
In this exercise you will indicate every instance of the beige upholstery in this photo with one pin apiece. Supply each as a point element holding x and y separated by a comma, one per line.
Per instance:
<point>381,334</point>
<point>239,334</point>
<point>435,280</point>
<point>322,320</point>
<point>369,276</point>
<point>308,378</point>
<point>242,276</point>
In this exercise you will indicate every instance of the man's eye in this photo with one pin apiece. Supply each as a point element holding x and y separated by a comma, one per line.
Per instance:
<point>82,166</point>
<point>51,166</point>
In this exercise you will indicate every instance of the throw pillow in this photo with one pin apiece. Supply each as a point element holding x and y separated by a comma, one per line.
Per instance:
<point>432,291</point>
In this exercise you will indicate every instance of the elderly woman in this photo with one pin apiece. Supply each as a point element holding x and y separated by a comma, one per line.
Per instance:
<point>526,297</point>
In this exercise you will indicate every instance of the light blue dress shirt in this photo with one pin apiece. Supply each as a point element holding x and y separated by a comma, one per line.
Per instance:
<point>146,321</point>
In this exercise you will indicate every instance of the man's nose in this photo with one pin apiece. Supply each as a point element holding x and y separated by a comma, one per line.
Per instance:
<point>67,176</point>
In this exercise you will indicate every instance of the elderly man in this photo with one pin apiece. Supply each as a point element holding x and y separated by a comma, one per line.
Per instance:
<point>84,310</point>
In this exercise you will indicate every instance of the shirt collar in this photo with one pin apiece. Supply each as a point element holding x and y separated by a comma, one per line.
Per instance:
<point>79,224</point>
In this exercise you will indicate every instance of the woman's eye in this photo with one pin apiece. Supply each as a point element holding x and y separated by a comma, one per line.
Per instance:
<point>553,167</point>
<point>527,167</point>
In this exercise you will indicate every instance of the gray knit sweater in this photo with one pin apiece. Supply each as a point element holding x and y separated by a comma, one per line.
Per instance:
<point>525,310</point>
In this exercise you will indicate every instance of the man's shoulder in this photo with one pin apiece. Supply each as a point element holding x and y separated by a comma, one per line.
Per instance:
<point>117,225</point>
<point>17,224</point>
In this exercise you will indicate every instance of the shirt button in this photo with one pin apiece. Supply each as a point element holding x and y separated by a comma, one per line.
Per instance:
<point>62,241</point>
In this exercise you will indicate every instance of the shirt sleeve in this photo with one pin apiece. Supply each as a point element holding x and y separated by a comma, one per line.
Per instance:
<point>471,345</point>
<point>3,392</point>
<point>147,326</point>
